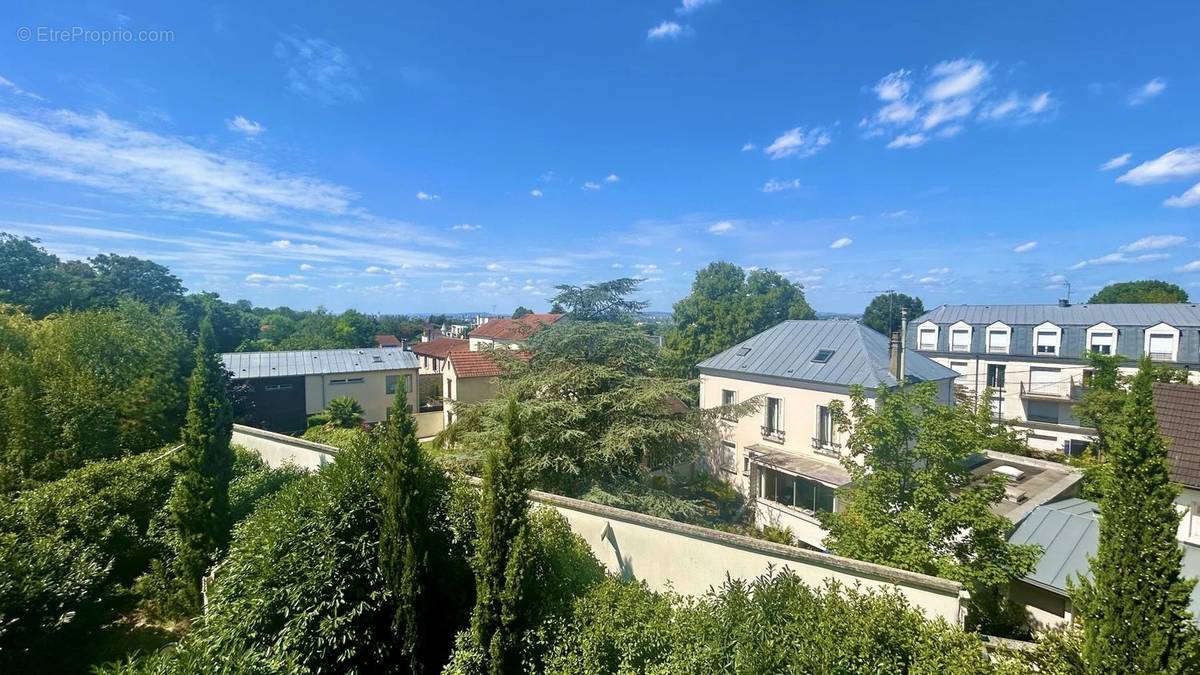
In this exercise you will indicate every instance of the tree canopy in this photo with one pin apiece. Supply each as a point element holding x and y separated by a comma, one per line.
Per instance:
<point>521,311</point>
<point>727,306</point>
<point>1148,290</point>
<point>883,312</point>
<point>604,301</point>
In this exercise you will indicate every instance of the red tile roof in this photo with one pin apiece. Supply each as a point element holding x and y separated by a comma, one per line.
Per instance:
<point>387,341</point>
<point>440,348</point>
<point>481,364</point>
<point>515,329</point>
<point>1177,407</point>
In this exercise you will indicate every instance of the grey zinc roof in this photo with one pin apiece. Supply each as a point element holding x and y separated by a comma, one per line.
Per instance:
<point>787,350</point>
<point>247,365</point>
<point>1068,532</point>
<point>1179,315</point>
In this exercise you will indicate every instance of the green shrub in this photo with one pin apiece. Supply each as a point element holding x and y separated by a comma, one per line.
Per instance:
<point>345,412</point>
<point>317,420</point>
<point>335,436</point>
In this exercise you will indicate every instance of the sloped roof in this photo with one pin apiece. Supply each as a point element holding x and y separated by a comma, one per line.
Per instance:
<point>440,347</point>
<point>1178,314</point>
<point>1177,407</point>
<point>515,329</point>
<point>244,365</point>
<point>480,364</point>
<point>860,356</point>
<point>387,341</point>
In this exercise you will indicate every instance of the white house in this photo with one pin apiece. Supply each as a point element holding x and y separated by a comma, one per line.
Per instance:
<point>509,333</point>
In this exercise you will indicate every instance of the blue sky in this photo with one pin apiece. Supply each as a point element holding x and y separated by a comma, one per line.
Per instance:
<point>412,157</point>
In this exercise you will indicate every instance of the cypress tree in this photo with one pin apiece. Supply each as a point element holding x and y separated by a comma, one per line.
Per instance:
<point>1135,608</point>
<point>502,552</point>
<point>200,503</point>
<point>406,534</point>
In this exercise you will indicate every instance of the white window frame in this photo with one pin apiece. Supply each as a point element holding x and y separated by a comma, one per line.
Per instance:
<point>1048,327</point>
<point>729,457</point>
<point>1163,329</point>
<point>1102,328</point>
<point>998,327</point>
<point>961,327</point>
<point>829,438</point>
<point>925,327</point>
<point>778,427</point>
<point>732,402</point>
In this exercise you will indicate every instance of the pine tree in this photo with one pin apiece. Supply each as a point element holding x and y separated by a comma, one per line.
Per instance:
<point>1135,608</point>
<point>502,554</point>
<point>200,503</point>
<point>407,534</point>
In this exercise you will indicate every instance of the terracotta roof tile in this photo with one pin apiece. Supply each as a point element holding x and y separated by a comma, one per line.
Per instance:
<point>441,347</point>
<point>1177,407</point>
<point>515,329</point>
<point>387,341</point>
<point>480,364</point>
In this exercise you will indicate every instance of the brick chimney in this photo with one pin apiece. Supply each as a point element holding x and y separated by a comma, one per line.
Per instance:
<point>894,355</point>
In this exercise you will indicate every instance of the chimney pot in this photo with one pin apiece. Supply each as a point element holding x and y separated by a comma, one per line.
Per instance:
<point>894,355</point>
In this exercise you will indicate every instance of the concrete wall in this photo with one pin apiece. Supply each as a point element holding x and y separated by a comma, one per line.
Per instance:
<point>371,392</point>
<point>667,554</point>
<point>430,423</point>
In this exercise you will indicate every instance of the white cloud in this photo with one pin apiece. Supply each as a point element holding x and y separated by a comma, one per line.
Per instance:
<point>939,270</point>
<point>375,269</point>
<point>1154,242</point>
<point>689,6</point>
<point>1116,162</point>
<point>1016,108</point>
<point>8,84</point>
<point>665,30</point>
<point>929,280</point>
<point>1113,258</point>
<point>721,227</point>
<point>451,286</point>
<point>1147,91</point>
<point>799,142</point>
<point>956,78</point>
<point>102,153</point>
<point>466,227</point>
<point>775,185</point>
<point>612,178</point>
<point>842,243</point>
<point>535,193</point>
<point>616,266</point>
<point>245,126</point>
<point>1193,266</point>
<point>292,281</point>
<point>749,147</point>
<point>908,141</point>
<point>1189,198</point>
<point>893,86</point>
<point>495,267</point>
<point>902,213</point>
<point>947,111</point>
<point>1178,163</point>
<point>591,185</point>
<point>427,197</point>
<point>318,69</point>
<point>1026,247</point>
<point>305,267</point>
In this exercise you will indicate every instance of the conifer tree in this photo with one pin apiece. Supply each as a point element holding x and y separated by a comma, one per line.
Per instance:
<point>502,553</point>
<point>200,503</point>
<point>1135,608</point>
<point>408,535</point>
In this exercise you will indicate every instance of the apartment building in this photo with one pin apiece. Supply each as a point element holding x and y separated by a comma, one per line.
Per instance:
<point>509,333</point>
<point>1031,356</point>
<point>433,353</point>
<point>787,457</point>
<point>287,387</point>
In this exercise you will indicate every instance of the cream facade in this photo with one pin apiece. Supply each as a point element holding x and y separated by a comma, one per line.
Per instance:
<point>457,389</point>
<point>375,391</point>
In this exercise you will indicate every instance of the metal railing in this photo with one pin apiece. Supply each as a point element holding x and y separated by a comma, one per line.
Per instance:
<point>1069,389</point>
<point>771,434</point>
<point>826,447</point>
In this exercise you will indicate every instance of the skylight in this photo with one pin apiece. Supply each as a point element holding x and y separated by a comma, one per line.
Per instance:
<point>822,356</point>
<point>743,351</point>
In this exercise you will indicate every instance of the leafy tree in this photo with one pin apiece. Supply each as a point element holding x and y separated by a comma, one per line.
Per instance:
<point>913,502</point>
<point>120,277</point>
<point>607,301</point>
<point>727,306</point>
<point>344,412</point>
<point>412,546</point>
<point>883,313</point>
<point>557,308</point>
<point>521,311</point>
<point>35,279</point>
<point>1148,290</point>
<point>233,324</point>
<point>200,504</point>
<point>1135,607</point>
<point>502,552</point>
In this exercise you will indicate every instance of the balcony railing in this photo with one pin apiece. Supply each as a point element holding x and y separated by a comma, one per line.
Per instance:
<point>826,447</point>
<point>1162,356</point>
<point>1069,389</point>
<point>771,434</point>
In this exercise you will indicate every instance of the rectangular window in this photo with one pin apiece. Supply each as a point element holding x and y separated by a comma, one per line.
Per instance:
<point>1042,411</point>
<point>277,387</point>
<point>995,375</point>
<point>998,342</point>
<point>389,383</point>
<point>960,367</point>
<point>806,495</point>
<point>728,457</point>
<point>960,340</point>
<point>1044,380</point>
<point>1162,346</point>
<point>450,389</point>
<point>408,383</point>
<point>774,420</point>
<point>824,427</point>
<point>354,380</point>
<point>1047,342</point>
<point>728,397</point>
<point>1102,342</point>
<point>927,339</point>
<point>338,381</point>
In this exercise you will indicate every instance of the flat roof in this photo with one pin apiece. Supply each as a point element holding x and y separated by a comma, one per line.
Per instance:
<point>253,365</point>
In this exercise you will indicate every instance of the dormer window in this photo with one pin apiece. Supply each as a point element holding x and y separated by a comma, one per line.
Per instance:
<point>1162,342</point>
<point>999,336</point>
<point>960,337</point>
<point>1102,339</point>
<point>1046,339</point>
<point>927,337</point>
